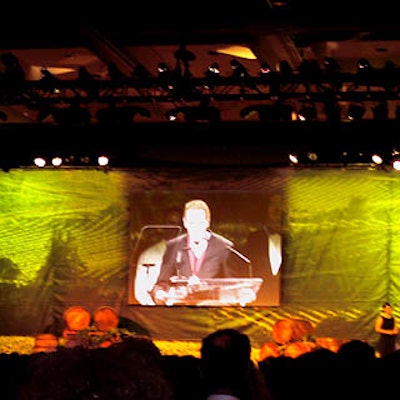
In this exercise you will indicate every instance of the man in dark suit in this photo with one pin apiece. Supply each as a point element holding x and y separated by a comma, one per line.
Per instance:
<point>197,254</point>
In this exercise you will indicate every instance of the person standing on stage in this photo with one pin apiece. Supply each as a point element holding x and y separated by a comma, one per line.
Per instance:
<point>386,326</point>
<point>197,254</point>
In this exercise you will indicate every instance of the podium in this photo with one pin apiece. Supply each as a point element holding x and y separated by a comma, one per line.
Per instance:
<point>213,292</point>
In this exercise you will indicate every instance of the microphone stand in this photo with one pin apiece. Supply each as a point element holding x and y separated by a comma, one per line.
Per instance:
<point>134,254</point>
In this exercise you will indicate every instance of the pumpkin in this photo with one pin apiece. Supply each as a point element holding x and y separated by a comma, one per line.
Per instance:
<point>290,330</point>
<point>296,349</point>
<point>269,349</point>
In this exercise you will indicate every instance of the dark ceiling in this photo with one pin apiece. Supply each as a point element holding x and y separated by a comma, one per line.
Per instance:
<point>63,37</point>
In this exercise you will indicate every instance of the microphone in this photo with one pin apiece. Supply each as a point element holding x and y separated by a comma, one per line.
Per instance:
<point>239,254</point>
<point>160,227</point>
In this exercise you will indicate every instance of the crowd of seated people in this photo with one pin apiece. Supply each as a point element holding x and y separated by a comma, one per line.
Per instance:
<point>135,369</point>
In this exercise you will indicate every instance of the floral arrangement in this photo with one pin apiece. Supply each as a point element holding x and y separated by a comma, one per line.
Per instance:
<point>91,338</point>
<point>25,344</point>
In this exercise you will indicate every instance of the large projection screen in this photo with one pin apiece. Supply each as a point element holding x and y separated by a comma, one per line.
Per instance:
<point>251,221</point>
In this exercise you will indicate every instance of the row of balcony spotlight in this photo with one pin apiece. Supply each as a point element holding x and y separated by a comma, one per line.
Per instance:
<point>58,161</point>
<point>371,159</point>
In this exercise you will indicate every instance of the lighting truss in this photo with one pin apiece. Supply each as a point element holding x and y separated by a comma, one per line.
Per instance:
<point>352,87</point>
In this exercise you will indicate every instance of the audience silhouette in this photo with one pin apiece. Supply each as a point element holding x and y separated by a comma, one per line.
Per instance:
<point>135,369</point>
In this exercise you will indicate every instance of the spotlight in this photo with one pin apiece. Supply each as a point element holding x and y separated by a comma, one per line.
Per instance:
<point>265,69</point>
<point>293,158</point>
<point>355,112</point>
<point>312,156</point>
<point>396,164</point>
<point>238,70</point>
<point>305,158</point>
<point>56,161</point>
<point>240,73</point>
<point>377,159</point>
<point>331,65</point>
<point>212,74</point>
<point>363,65</point>
<point>307,113</point>
<point>103,161</point>
<point>396,161</point>
<point>49,82</point>
<point>165,77</point>
<point>39,162</point>
<point>213,70</point>
<point>271,78</point>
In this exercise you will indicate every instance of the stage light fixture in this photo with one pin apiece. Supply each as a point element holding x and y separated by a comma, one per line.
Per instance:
<point>355,112</point>
<point>331,65</point>
<point>56,161</point>
<point>312,156</point>
<point>165,77</point>
<point>238,70</point>
<point>307,113</point>
<point>240,73</point>
<point>213,70</point>
<point>293,158</point>
<point>363,65</point>
<point>265,69</point>
<point>396,164</point>
<point>377,159</point>
<point>40,162</point>
<point>212,74</point>
<point>304,158</point>
<point>103,161</point>
<point>49,82</point>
